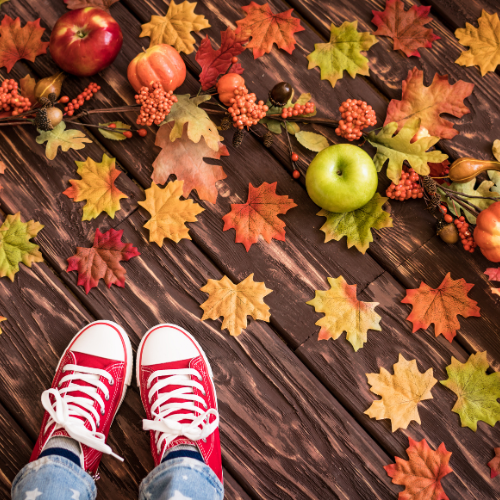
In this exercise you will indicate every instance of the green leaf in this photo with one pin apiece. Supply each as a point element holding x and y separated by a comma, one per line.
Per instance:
<point>477,392</point>
<point>398,148</point>
<point>312,141</point>
<point>114,135</point>
<point>495,177</point>
<point>60,137</point>
<point>356,225</point>
<point>292,127</point>
<point>496,149</point>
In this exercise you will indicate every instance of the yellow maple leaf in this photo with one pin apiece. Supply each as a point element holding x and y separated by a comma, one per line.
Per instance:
<point>59,137</point>
<point>400,393</point>
<point>484,43</point>
<point>97,186</point>
<point>175,27</point>
<point>235,302</point>
<point>345,313</point>
<point>168,212</point>
<point>2,319</point>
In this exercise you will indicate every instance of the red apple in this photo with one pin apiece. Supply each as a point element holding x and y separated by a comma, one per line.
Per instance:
<point>85,41</point>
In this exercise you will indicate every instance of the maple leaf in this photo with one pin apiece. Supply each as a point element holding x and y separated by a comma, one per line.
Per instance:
<point>477,392</point>
<point>259,215</point>
<point>493,273</point>
<point>2,170</point>
<point>186,110</point>
<point>421,475</point>
<point>20,43</point>
<point>168,212</point>
<point>102,260</point>
<point>184,158</point>
<point>405,28</point>
<point>343,52</point>
<point>439,170</point>
<point>266,28</point>
<point>15,245</point>
<point>400,393</point>
<point>344,313</point>
<point>97,186</point>
<point>1,317</point>
<point>441,306</point>
<point>428,103</point>
<point>81,4</point>
<point>494,464</point>
<point>356,225</point>
<point>235,302</point>
<point>27,85</point>
<point>60,137</point>
<point>398,148</point>
<point>175,27</point>
<point>216,62</point>
<point>483,43</point>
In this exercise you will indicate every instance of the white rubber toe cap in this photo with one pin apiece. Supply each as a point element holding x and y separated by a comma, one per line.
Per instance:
<point>102,338</point>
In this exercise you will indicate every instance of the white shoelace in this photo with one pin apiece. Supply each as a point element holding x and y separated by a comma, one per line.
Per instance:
<point>66,409</point>
<point>165,421</point>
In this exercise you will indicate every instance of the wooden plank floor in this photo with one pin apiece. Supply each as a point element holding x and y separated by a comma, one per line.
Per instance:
<point>292,421</point>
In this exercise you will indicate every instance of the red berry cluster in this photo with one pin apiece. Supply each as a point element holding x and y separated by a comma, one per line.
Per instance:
<point>298,110</point>
<point>463,230</point>
<point>244,109</point>
<point>155,105</point>
<point>75,104</point>
<point>356,115</point>
<point>408,187</point>
<point>10,100</point>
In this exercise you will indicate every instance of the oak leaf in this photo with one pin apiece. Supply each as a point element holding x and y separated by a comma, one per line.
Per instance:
<point>217,62</point>
<point>398,148</point>
<point>259,215</point>
<point>15,245</point>
<point>356,225</point>
<point>20,43</point>
<point>60,137</point>
<point>97,187</point>
<point>1,317</point>
<point>400,393</point>
<point>477,392</point>
<point>494,464</point>
<point>428,103</point>
<point>175,27</point>
<point>493,273</point>
<point>27,85</point>
<point>406,28</point>
<point>441,306</point>
<point>184,158</point>
<point>102,260</point>
<point>168,212</point>
<point>483,43</point>
<point>342,52</point>
<point>344,313</point>
<point>235,302</point>
<point>3,1</point>
<point>81,4</point>
<point>421,475</point>
<point>2,170</point>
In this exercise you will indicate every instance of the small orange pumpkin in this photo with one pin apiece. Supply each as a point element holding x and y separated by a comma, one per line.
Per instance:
<point>158,63</point>
<point>487,232</point>
<point>226,86</point>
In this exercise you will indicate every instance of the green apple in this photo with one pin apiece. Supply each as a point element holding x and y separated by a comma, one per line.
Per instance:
<point>341,178</point>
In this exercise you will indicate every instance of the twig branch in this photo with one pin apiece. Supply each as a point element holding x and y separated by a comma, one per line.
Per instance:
<point>90,125</point>
<point>461,195</point>
<point>119,109</point>
<point>466,206</point>
<point>19,122</point>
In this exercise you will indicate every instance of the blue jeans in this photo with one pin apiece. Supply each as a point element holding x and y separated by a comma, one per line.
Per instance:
<point>57,478</point>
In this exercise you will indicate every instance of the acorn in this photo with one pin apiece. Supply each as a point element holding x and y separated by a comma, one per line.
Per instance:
<point>448,233</point>
<point>280,94</point>
<point>47,118</point>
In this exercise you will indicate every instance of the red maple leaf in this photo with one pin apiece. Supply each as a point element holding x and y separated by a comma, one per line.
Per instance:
<point>439,170</point>
<point>267,28</point>
<point>494,464</point>
<point>216,62</point>
<point>102,260</point>
<point>20,43</point>
<point>421,475</point>
<point>493,273</point>
<point>427,103</point>
<point>258,216</point>
<point>441,306</point>
<point>405,28</point>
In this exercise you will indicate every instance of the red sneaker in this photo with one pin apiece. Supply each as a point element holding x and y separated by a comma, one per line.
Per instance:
<point>89,386</point>
<point>178,394</point>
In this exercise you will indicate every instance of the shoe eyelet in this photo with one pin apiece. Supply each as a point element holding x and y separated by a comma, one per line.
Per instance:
<point>102,411</point>
<point>106,397</point>
<point>200,378</point>
<point>204,440</point>
<point>112,381</point>
<point>204,392</point>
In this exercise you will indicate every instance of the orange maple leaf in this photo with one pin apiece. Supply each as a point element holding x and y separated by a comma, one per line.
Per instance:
<point>20,43</point>
<point>441,306</point>
<point>184,159</point>
<point>258,216</point>
<point>494,464</point>
<point>2,170</point>
<point>81,4</point>
<point>267,28</point>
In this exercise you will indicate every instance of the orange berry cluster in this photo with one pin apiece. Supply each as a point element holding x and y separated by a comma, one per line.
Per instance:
<point>156,105</point>
<point>298,110</point>
<point>408,187</point>
<point>75,104</point>
<point>10,100</point>
<point>463,230</point>
<point>356,115</point>
<point>244,109</point>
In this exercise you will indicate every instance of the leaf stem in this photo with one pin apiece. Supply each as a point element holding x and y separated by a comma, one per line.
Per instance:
<point>461,195</point>
<point>466,206</point>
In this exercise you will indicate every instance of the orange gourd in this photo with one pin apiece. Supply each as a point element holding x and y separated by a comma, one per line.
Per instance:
<point>487,232</point>
<point>158,63</point>
<point>226,86</point>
